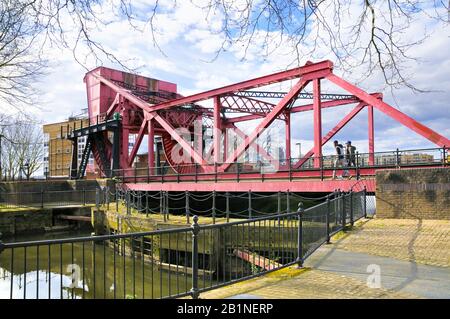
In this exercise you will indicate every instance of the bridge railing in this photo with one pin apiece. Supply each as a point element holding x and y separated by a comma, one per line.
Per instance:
<point>318,167</point>
<point>47,198</point>
<point>170,263</point>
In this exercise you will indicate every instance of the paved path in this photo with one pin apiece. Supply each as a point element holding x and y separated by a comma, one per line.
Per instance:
<point>396,275</point>
<point>413,258</point>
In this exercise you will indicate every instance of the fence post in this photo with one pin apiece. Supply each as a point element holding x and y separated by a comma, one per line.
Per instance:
<point>97,198</point>
<point>214,207</point>
<point>249,204</point>
<point>397,157</point>
<point>357,166</point>
<point>187,207</point>
<point>84,196</point>
<point>444,159</point>
<point>117,200</point>
<point>195,231</point>
<point>167,206</point>
<point>290,168</point>
<point>1,245</point>
<point>107,197</point>
<point>321,167</point>
<point>351,208</point>
<point>128,202</point>
<point>365,202</point>
<point>162,202</point>
<point>288,202</point>
<point>300,211</point>
<point>238,166</point>
<point>215,172</point>
<point>342,199</point>
<point>227,206</point>
<point>42,198</point>
<point>328,218</point>
<point>147,208</point>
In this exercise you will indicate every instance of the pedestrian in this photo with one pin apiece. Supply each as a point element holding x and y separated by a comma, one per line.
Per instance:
<point>340,160</point>
<point>350,154</point>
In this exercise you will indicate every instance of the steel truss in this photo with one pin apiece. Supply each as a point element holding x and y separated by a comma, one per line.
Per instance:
<point>152,112</point>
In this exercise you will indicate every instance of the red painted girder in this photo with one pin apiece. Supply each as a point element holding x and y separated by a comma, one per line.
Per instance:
<point>113,106</point>
<point>257,107</point>
<point>266,122</point>
<point>317,118</point>
<point>179,139</point>
<point>371,135</point>
<point>312,186</point>
<point>320,69</point>
<point>331,133</point>
<point>145,106</point>
<point>137,142</point>
<point>256,146</point>
<point>392,112</point>
<point>256,259</point>
<point>300,108</point>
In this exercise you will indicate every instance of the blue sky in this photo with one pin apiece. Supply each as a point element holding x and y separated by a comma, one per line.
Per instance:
<point>189,46</point>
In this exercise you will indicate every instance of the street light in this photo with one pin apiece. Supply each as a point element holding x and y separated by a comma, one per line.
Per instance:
<point>299,149</point>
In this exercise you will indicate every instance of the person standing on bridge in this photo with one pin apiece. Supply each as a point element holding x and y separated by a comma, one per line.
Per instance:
<point>350,154</point>
<point>340,160</point>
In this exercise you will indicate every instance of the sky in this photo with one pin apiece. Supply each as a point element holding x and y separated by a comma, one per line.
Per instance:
<point>186,56</point>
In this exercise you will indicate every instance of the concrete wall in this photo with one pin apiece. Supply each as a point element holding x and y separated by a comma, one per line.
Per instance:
<point>52,185</point>
<point>38,220</point>
<point>413,194</point>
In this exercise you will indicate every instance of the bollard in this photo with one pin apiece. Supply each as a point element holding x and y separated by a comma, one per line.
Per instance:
<point>300,212</point>
<point>195,231</point>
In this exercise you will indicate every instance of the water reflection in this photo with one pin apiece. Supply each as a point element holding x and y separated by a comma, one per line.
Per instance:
<point>85,270</point>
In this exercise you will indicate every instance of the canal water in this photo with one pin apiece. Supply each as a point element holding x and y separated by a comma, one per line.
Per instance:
<point>83,271</point>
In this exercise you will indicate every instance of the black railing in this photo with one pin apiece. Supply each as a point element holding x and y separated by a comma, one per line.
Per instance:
<point>214,205</point>
<point>172,263</point>
<point>47,198</point>
<point>265,170</point>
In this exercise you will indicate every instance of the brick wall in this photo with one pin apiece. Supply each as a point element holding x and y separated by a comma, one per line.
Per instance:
<point>413,194</point>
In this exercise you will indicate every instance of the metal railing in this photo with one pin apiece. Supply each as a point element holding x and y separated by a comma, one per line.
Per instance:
<point>286,168</point>
<point>47,198</point>
<point>214,205</point>
<point>172,263</point>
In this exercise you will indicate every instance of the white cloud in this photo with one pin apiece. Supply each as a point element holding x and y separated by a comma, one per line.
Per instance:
<point>186,39</point>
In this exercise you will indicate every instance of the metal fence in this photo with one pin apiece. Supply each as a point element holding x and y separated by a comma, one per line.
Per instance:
<point>285,168</point>
<point>47,198</point>
<point>170,263</point>
<point>227,205</point>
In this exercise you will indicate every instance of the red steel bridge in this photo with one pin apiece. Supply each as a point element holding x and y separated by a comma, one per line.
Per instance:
<point>194,142</point>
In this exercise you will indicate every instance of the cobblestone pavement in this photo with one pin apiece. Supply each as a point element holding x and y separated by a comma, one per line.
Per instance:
<point>420,241</point>
<point>309,284</point>
<point>413,256</point>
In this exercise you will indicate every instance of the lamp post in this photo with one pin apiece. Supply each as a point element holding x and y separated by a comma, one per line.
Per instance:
<point>299,149</point>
